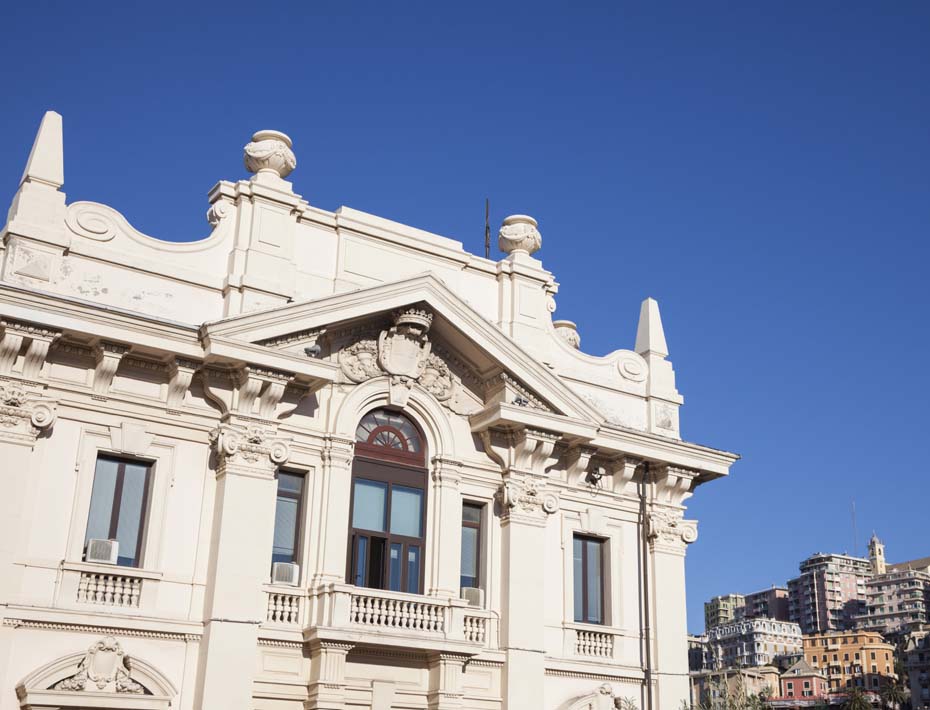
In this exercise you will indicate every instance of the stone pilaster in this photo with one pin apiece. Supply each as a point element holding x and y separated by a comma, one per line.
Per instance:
<point>668,535</point>
<point>335,482</point>
<point>246,458</point>
<point>327,688</point>
<point>447,520</point>
<point>446,673</point>
<point>524,510</point>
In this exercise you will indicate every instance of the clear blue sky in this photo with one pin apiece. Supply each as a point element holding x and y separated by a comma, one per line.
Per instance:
<point>762,169</point>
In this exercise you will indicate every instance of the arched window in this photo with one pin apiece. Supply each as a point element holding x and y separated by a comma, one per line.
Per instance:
<point>388,504</point>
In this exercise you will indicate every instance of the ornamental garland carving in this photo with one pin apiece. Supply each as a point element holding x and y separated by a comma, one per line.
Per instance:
<point>405,353</point>
<point>23,416</point>
<point>105,668</point>
<point>666,528</point>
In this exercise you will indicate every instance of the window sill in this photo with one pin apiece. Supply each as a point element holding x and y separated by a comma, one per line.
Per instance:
<point>98,568</point>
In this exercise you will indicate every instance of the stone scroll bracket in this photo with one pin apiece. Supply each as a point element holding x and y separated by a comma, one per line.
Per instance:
<point>32,340</point>
<point>108,357</point>
<point>180,374</point>
<point>248,393</point>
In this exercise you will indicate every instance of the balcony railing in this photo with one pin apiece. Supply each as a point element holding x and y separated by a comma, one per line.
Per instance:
<point>285,607</point>
<point>342,611</point>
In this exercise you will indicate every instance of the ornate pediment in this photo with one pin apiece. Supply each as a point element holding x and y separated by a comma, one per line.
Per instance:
<point>404,352</point>
<point>418,333</point>
<point>105,674</point>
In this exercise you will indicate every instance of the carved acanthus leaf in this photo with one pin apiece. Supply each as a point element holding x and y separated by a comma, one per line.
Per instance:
<point>668,529</point>
<point>24,413</point>
<point>250,446</point>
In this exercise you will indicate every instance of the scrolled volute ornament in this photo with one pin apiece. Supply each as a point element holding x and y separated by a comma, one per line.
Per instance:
<point>666,528</point>
<point>270,152</point>
<point>251,446</point>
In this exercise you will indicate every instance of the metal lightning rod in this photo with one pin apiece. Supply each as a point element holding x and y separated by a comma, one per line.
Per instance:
<point>487,228</point>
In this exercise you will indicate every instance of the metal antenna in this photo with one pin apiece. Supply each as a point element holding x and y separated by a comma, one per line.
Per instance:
<point>855,534</point>
<point>487,228</point>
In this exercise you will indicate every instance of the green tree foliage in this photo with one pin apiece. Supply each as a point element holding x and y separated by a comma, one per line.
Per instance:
<point>856,700</point>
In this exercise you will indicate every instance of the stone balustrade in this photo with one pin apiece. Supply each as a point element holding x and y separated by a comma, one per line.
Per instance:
<point>285,608</point>
<point>123,590</point>
<point>341,610</point>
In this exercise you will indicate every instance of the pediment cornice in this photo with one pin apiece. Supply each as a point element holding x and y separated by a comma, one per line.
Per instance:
<point>280,324</point>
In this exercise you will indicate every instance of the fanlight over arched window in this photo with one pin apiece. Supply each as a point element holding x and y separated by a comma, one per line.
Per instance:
<point>388,504</point>
<point>385,434</point>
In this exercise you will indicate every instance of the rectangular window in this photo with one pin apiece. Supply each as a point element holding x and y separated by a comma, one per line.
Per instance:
<point>588,557</point>
<point>118,506</point>
<point>287,517</point>
<point>471,545</point>
<point>387,527</point>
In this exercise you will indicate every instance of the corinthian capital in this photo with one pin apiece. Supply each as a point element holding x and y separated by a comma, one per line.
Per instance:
<point>526,499</point>
<point>24,414</point>
<point>248,447</point>
<point>668,530</point>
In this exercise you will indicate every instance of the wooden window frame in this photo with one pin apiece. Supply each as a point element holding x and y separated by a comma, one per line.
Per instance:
<point>117,502</point>
<point>602,545</point>
<point>401,467</point>
<point>479,581</point>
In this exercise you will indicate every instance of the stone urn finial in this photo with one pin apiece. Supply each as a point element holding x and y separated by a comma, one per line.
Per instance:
<point>568,332</point>
<point>519,234</point>
<point>270,152</point>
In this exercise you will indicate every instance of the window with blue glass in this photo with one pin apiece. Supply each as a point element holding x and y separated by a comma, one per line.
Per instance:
<point>118,506</point>
<point>588,579</point>
<point>287,514</point>
<point>388,504</point>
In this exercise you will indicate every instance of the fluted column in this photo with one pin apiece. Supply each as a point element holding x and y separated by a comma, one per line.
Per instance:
<point>246,459</point>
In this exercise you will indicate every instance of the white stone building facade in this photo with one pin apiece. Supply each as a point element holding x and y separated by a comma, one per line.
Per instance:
<point>753,642</point>
<point>466,510</point>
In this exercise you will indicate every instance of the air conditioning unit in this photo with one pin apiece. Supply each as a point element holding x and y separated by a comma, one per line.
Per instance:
<point>473,595</point>
<point>285,573</point>
<point>105,551</point>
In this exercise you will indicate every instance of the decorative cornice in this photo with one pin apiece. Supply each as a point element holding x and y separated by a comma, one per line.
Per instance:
<point>99,630</point>
<point>557,673</point>
<point>278,643</point>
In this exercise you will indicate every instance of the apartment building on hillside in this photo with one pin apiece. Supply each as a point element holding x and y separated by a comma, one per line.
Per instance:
<point>829,593</point>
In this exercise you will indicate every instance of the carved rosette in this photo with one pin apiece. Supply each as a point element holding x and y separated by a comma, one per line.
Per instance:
<point>105,668</point>
<point>23,415</point>
<point>270,152</point>
<point>668,530</point>
<point>253,447</point>
<point>519,233</point>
